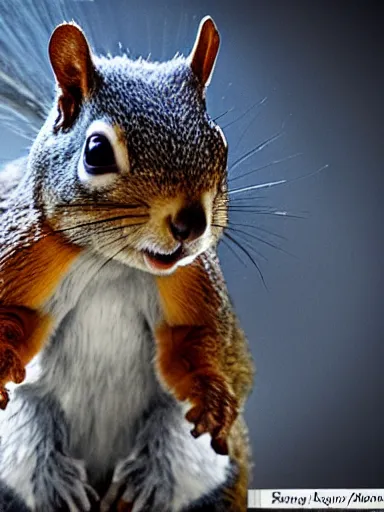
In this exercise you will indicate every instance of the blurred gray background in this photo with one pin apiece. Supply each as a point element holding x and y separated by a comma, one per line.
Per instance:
<point>316,327</point>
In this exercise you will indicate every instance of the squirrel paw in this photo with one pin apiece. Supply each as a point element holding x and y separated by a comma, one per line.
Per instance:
<point>4,398</point>
<point>138,486</point>
<point>64,485</point>
<point>214,409</point>
<point>11,369</point>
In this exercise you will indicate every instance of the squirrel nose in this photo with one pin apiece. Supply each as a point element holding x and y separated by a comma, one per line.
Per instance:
<point>189,224</point>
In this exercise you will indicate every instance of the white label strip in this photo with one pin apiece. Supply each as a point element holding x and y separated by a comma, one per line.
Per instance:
<point>360,499</point>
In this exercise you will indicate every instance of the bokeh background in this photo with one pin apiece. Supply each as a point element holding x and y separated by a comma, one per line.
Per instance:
<point>311,73</point>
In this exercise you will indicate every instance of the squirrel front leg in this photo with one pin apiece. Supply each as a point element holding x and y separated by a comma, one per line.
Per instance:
<point>29,274</point>
<point>195,375</point>
<point>200,355</point>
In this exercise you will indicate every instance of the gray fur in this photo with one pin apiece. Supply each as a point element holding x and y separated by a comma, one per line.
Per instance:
<point>92,409</point>
<point>10,500</point>
<point>34,454</point>
<point>10,177</point>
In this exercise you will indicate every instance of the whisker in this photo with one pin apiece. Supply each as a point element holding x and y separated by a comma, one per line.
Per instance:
<point>104,231</point>
<point>118,252</point>
<point>245,131</point>
<point>228,245</point>
<point>222,115</point>
<point>236,242</point>
<point>261,211</point>
<point>305,176</point>
<point>117,239</point>
<point>261,240</point>
<point>252,249</point>
<point>279,182</point>
<point>255,150</point>
<point>266,242</point>
<point>239,232</point>
<point>250,246</point>
<point>240,199</point>
<point>257,104</point>
<point>283,214</point>
<point>110,242</point>
<point>99,221</point>
<point>256,187</point>
<point>232,204</point>
<point>230,199</point>
<point>272,233</point>
<point>266,166</point>
<point>111,257</point>
<point>99,205</point>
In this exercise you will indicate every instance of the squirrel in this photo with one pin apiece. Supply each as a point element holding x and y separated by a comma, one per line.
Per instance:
<point>115,320</point>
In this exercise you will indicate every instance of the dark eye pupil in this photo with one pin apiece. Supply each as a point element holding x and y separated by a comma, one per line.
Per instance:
<point>98,155</point>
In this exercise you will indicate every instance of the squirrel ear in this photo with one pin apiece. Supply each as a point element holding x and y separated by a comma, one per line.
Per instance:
<point>72,65</point>
<point>205,50</point>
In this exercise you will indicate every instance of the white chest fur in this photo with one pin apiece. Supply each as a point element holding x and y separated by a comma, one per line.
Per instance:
<point>102,355</point>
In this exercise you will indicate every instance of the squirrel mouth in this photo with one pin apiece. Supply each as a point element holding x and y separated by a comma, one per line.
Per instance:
<point>159,261</point>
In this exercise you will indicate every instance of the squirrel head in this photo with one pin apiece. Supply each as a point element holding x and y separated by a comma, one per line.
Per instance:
<point>129,163</point>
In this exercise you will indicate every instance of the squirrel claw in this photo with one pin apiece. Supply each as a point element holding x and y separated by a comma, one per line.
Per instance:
<point>195,433</point>
<point>18,374</point>
<point>207,424</point>
<point>214,411</point>
<point>11,369</point>
<point>4,398</point>
<point>219,445</point>
<point>203,422</point>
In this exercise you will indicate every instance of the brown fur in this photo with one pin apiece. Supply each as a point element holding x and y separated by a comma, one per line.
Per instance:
<point>29,274</point>
<point>203,358</point>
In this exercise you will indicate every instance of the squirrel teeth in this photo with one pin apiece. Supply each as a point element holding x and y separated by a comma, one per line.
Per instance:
<point>160,261</point>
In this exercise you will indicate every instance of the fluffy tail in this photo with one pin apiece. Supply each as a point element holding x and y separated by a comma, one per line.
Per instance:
<point>22,110</point>
<point>26,87</point>
<point>26,80</point>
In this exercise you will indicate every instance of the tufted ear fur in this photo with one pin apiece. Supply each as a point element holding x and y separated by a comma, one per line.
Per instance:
<point>205,50</point>
<point>71,60</point>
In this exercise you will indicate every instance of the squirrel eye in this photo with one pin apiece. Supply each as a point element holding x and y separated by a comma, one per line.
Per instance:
<point>99,157</point>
